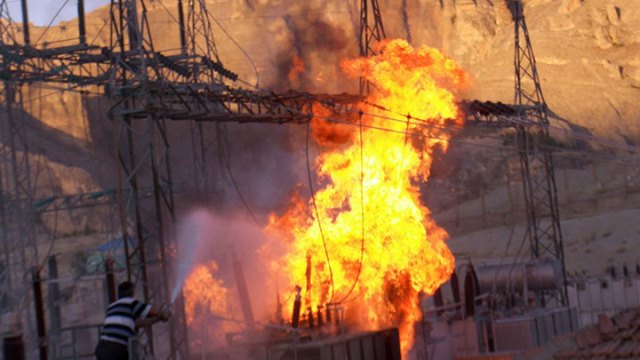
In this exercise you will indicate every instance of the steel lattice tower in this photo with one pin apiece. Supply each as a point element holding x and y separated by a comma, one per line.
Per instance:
<point>538,178</point>
<point>197,33</point>
<point>371,32</point>
<point>139,83</point>
<point>18,186</point>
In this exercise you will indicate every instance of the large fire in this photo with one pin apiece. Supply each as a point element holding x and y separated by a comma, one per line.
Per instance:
<point>370,179</point>
<point>365,240</point>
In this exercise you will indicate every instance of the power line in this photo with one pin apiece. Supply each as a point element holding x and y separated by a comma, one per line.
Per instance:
<point>456,127</point>
<point>224,148</point>
<point>315,209</point>
<point>357,279</point>
<point>253,64</point>
<point>51,22</point>
<point>244,52</point>
<point>571,134</point>
<point>558,151</point>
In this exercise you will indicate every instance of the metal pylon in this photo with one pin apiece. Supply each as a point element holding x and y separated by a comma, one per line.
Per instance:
<point>197,31</point>
<point>538,178</point>
<point>371,32</point>
<point>137,89</point>
<point>18,184</point>
<point>18,211</point>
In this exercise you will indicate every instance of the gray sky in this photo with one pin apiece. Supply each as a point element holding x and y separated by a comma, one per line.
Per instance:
<point>41,12</point>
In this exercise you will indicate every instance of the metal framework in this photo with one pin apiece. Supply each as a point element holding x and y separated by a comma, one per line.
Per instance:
<point>137,89</point>
<point>149,90</point>
<point>538,178</point>
<point>198,38</point>
<point>17,189</point>
<point>371,32</point>
<point>17,205</point>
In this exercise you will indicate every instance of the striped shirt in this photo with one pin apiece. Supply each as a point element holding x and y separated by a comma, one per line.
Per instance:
<point>120,322</point>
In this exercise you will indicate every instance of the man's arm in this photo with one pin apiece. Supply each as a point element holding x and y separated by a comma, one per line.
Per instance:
<point>146,322</point>
<point>163,314</point>
<point>152,316</point>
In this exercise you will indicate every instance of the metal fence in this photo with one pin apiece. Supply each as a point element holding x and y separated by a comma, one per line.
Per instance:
<point>82,301</point>
<point>606,295</point>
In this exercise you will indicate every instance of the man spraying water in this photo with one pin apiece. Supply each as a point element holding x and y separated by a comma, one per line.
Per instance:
<point>122,319</point>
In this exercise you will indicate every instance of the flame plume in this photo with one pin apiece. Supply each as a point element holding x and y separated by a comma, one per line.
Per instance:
<point>204,292</point>
<point>376,174</point>
<point>205,296</point>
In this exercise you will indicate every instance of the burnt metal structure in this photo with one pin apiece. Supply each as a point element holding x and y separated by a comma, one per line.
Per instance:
<point>536,160</point>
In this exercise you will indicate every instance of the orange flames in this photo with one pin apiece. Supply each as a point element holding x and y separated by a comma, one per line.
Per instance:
<point>205,296</point>
<point>203,292</point>
<point>297,68</point>
<point>372,180</point>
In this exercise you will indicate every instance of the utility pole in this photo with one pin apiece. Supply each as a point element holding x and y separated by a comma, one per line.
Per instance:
<point>536,161</point>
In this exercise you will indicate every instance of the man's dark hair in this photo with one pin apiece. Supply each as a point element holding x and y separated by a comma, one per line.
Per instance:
<point>125,289</point>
